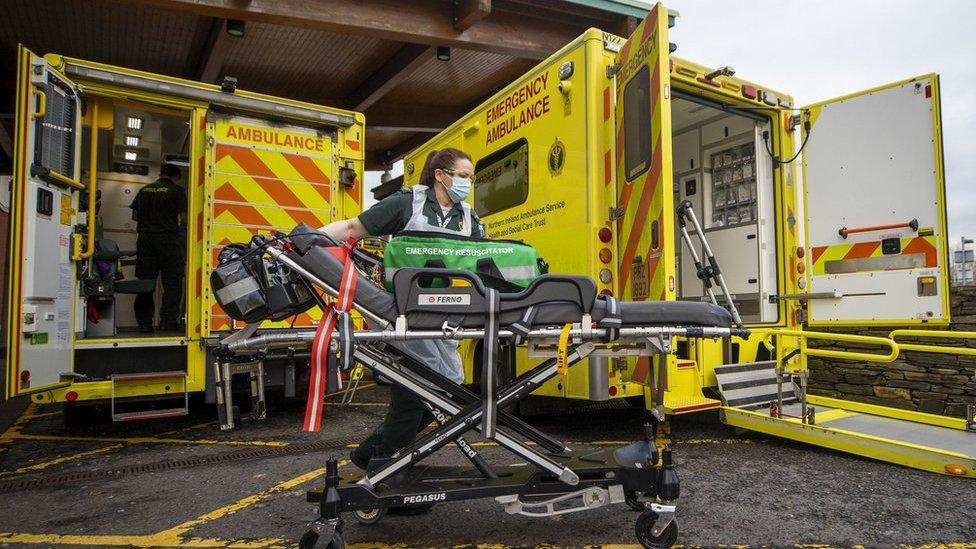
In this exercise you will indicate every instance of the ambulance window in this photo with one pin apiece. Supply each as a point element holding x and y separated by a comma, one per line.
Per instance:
<point>637,124</point>
<point>54,147</point>
<point>501,179</point>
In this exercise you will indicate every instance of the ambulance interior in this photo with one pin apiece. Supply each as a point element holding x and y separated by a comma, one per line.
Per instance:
<point>133,142</point>
<point>720,164</point>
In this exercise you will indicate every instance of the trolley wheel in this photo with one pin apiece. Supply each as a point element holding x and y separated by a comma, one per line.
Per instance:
<point>632,499</point>
<point>310,540</point>
<point>369,516</point>
<point>645,522</point>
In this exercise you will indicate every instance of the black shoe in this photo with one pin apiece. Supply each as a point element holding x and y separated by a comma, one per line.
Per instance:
<point>358,461</point>
<point>145,328</point>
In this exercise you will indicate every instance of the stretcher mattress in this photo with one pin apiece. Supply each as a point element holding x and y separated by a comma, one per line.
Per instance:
<point>309,253</point>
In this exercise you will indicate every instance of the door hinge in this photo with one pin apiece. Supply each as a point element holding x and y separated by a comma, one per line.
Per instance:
<point>616,212</point>
<point>612,70</point>
<point>794,122</point>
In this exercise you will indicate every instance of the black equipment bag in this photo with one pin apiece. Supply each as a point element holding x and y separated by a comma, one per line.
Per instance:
<point>252,288</point>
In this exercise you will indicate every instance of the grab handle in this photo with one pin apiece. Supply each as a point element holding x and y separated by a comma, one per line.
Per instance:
<point>913,225</point>
<point>893,348</point>
<point>42,106</point>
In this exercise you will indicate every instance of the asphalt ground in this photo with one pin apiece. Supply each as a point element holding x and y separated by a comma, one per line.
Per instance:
<point>737,489</point>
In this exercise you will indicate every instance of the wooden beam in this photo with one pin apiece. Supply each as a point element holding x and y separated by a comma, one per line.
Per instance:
<point>215,52</point>
<point>376,160</point>
<point>391,74</point>
<point>626,27</point>
<point>416,22</point>
<point>469,12</point>
<point>416,118</point>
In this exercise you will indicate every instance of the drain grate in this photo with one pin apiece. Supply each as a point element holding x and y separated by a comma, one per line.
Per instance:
<point>17,485</point>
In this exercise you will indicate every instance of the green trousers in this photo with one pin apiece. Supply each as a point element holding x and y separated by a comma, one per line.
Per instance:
<point>406,417</point>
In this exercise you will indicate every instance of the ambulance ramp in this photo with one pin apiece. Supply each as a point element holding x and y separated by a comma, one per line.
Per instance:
<point>913,439</point>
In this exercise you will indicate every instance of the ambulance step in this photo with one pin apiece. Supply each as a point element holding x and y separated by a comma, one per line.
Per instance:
<point>751,385</point>
<point>149,414</point>
<point>143,377</point>
<point>675,404</point>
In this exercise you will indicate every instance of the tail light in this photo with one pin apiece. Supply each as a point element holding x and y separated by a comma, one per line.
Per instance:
<point>612,391</point>
<point>606,255</point>
<point>801,267</point>
<point>606,276</point>
<point>607,291</point>
<point>605,235</point>
<point>800,252</point>
<point>25,376</point>
<point>71,396</point>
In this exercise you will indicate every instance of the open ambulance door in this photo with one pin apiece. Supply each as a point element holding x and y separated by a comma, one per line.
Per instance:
<point>43,209</point>
<point>645,240</point>
<point>875,207</point>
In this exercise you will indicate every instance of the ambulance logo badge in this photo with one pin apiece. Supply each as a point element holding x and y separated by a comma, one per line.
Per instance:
<point>557,157</point>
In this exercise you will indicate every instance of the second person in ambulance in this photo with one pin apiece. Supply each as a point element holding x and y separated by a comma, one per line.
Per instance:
<point>437,204</point>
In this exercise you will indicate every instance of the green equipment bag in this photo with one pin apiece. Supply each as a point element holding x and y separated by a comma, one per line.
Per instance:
<point>507,265</point>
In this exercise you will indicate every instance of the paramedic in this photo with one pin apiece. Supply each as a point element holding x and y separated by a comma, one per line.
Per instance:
<point>159,210</point>
<point>435,205</point>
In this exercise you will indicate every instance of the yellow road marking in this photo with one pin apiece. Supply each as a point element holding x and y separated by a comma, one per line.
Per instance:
<point>138,541</point>
<point>242,503</point>
<point>190,428</point>
<point>150,440</point>
<point>362,386</point>
<point>174,537</point>
<point>44,414</point>
<point>15,427</point>
<point>61,459</point>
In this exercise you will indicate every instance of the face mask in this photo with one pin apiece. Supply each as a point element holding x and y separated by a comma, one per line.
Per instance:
<point>461,187</point>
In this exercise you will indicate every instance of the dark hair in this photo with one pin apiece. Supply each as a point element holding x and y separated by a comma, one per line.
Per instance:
<point>169,170</point>
<point>438,160</point>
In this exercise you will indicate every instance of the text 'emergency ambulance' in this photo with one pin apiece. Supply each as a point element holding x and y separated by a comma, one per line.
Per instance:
<point>531,101</point>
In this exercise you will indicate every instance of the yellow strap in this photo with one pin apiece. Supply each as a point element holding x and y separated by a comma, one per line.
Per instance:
<point>562,357</point>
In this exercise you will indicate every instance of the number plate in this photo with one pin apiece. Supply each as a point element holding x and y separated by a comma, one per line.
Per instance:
<point>639,285</point>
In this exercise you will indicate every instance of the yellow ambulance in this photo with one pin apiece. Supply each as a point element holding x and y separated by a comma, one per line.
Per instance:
<point>823,215</point>
<point>88,137</point>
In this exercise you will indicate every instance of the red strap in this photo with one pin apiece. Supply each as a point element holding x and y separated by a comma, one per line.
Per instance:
<point>318,363</point>
<point>318,371</point>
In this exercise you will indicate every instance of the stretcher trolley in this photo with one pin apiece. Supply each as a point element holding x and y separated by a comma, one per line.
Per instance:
<point>560,317</point>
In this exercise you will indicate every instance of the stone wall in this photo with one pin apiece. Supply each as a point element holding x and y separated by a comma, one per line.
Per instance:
<point>927,382</point>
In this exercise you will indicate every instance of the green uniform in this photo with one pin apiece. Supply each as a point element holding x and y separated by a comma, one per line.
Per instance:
<point>160,249</point>
<point>408,414</point>
<point>390,215</point>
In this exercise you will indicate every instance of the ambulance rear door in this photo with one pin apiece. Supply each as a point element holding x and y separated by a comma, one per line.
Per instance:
<point>265,177</point>
<point>875,207</point>
<point>645,199</point>
<point>43,209</point>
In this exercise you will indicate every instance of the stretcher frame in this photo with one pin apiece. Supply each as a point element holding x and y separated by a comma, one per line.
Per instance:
<point>458,411</point>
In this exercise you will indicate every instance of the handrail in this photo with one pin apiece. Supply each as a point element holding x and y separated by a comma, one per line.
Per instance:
<point>92,185</point>
<point>913,225</point>
<point>843,355</point>
<point>40,112</point>
<point>940,349</point>
<point>73,183</point>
